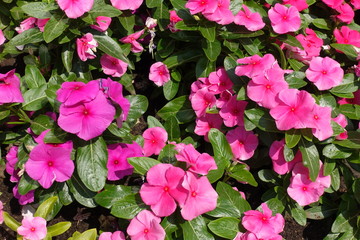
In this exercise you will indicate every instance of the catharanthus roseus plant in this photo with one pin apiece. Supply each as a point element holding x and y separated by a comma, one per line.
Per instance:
<point>183,119</point>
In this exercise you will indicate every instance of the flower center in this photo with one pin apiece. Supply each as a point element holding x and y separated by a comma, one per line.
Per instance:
<point>146,230</point>
<point>193,194</point>
<point>161,73</point>
<point>76,88</point>
<point>114,63</point>
<point>324,72</point>
<point>50,163</point>
<point>166,188</point>
<point>116,162</point>
<point>346,40</point>
<point>132,39</point>
<point>292,109</point>
<point>32,229</point>
<point>285,17</point>
<point>264,219</point>
<point>268,86</point>
<point>153,141</point>
<point>316,117</point>
<point>304,188</point>
<point>241,143</point>
<point>86,112</point>
<point>202,3</point>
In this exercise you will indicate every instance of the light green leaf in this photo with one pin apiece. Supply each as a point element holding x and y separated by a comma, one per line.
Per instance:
<point>142,164</point>
<point>196,230</point>
<point>226,227</point>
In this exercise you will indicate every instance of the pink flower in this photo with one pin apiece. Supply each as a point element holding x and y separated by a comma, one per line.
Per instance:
<point>233,112</point>
<point>117,235</point>
<point>26,24</point>
<point>276,153</point>
<point>311,43</point>
<point>333,3</point>
<point>103,23</point>
<point>10,88</point>
<point>293,109</point>
<point>263,88</point>
<point>325,73</point>
<point>174,18</point>
<point>117,165</point>
<point>41,23</point>
<point>243,143</point>
<point>135,45</point>
<point>2,37</point>
<point>113,66</point>
<point>146,226</point>
<point>86,46</point>
<point>251,236</point>
<point>219,81</point>
<point>299,4</point>
<point>347,36</point>
<point>322,122</point>
<point>196,6</point>
<point>201,196</point>
<point>33,228</point>
<point>224,98</point>
<point>89,119</point>
<point>283,19</point>
<point>254,65</point>
<point>206,122</point>
<point>47,164</point>
<point>199,163</point>
<point>202,100</point>
<point>75,9</point>
<point>126,4</point>
<point>154,140</point>
<point>263,224</point>
<point>159,73</point>
<point>1,213</point>
<point>11,161</point>
<point>355,3</point>
<point>23,199</point>
<point>72,93</point>
<point>346,13</point>
<point>251,20</point>
<point>222,14</point>
<point>355,100</point>
<point>163,188</point>
<point>341,120</point>
<point>40,140</point>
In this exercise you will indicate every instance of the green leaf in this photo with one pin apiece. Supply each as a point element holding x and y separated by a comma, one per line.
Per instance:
<point>100,8</point>
<point>321,23</point>
<point>142,164</point>
<point>310,156</point>
<point>58,228</point>
<point>241,174</point>
<point>32,35</point>
<point>111,194</point>
<point>179,58</point>
<point>348,85</point>
<point>180,108</point>
<point>91,159</point>
<point>170,89</point>
<point>292,137</point>
<point>226,227</point>
<point>35,99</point>
<point>67,55</point>
<point>41,123</point>
<point>138,106</point>
<point>33,77</point>
<point>295,79</point>
<point>208,30</point>
<point>81,193</point>
<point>289,153</point>
<point>291,40</point>
<point>212,49</point>
<point>10,222</point>
<point>352,111</point>
<point>336,152</point>
<point>342,223</point>
<point>27,184</point>
<point>165,47</point>
<point>320,212</point>
<point>109,46</point>
<point>4,114</point>
<point>335,179</point>
<point>347,49</point>
<point>204,67</point>
<point>172,127</point>
<point>296,65</point>
<point>167,154</point>
<point>55,27</point>
<point>46,207</point>
<point>249,46</point>
<point>356,189</point>
<point>298,214</point>
<point>39,10</point>
<point>222,150</point>
<point>196,230</point>
<point>169,225</point>
<point>153,122</point>
<point>128,207</point>
<point>55,135</point>
<point>90,234</point>
<point>261,119</point>
<point>353,140</point>
<point>162,14</point>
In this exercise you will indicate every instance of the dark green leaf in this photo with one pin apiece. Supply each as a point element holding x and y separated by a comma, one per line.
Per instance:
<point>292,137</point>
<point>348,49</point>
<point>356,189</point>
<point>348,85</point>
<point>298,214</point>
<point>128,207</point>
<point>27,184</point>
<point>295,79</point>
<point>111,194</point>
<point>33,77</point>
<point>204,67</point>
<point>352,111</point>
<point>162,14</point>
<point>222,150</point>
<point>180,108</point>
<point>100,8</point>
<point>153,122</point>
<point>165,47</point>
<point>179,58</point>
<point>55,27</point>
<point>208,30</point>
<point>41,123</point>
<point>56,135</point>
<point>109,46</point>
<point>35,99</point>
<point>142,164</point>
<point>4,114</point>
<point>241,174</point>
<point>212,49</point>
<point>353,140</point>
<point>46,207</point>
<point>172,127</point>
<point>196,230</point>
<point>67,55</point>
<point>320,212</point>
<point>138,106</point>
<point>170,89</point>
<point>342,223</point>
<point>167,154</point>
<point>336,152</point>
<point>321,23</point>
<point>39,10</point>
<point>81,193</point>
<point>32,35</point>
<point>261,119</point>
<point>310,156</point>
<point>291,40</point>
<point>226,227</point>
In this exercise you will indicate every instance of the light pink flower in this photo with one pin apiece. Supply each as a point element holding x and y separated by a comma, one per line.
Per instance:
<point>347,14</point>
<point>75,8</point>
<point>263,88</point>
<point>26,24</point>
<point>293,109</point>
<point>113,66</point>
<point>135,45</point>
<point>89,119</point>
<point>251,20</point>
<point>196,6</point>
<point>86,46</point>
<point>33,228</point>
<point>206,122</point>
<point>219,81</point>
<point>2,37</point>
<point>163,187</point>
<point>47,164</point>
<point>201,196</point>
<point>325,73</point>
<point>159,73</point>
<point>126,4</point>
<point>146,226</point>
<point>254,65</point>
<point>10,88</point>
<point>199,163</point>
<point>299,4</point>
<point>333,3</point>
<point>202,100</point>
<point>347,36</point>
<point>117,235</point>
<point>117,164</point>
<point>243,143</point>
<point>222,14</point>
<point>276,153</point>
<point>233,112</point>
<point>322,122</point>
<point>23,199</point>
<point>72,93</point>
<point>283,19</point>
<point>341,120</point>
<point>154,140</point>
<point>103,23</point>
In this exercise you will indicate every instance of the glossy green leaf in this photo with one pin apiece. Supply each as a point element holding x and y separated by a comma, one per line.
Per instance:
<point>67,55</point>
<point>353,140</point>
<point>347,85</point>
<point>352,111</point>
<point>138,106</point>
<point>310,156</point>
<point>27,184</point>
<point>241,174</point>
<point>170,89</point>
<point>179,58</point>
<point>204,67</point>
<point>208,30</point>
<point>347,49</point>
<point>111,194</point>
<point>55,27</point>
<point>81,193</point>
<point>56,135</point>
<point>261,119</point>
<point>39,10</point>
<point>333,151</point>
<point>180,108</point>
<point>41,123</point>
<point>320,212</point>
<point>292,137</point>
<point>128,207</point>
<point>167,154</point>
<point>153,122</point>
<point>58,228</point>
<point>46,207</point>
<point>10,222</point>
<point>33,77</point>
<point>142,164</point>
<point>90,234</point>
<point>342,222</point>
<point>35,99</point>
<point>172,127</point>
<point>100,8</point>
<point>222,150</point>
<point>226,227</point>
<point>109,46</point>
<point>298,214</point>
<point>196,230</point>
<point>321,23</point>
<point>32,35</point>
<point>295,79</point>
<point>162,14</point>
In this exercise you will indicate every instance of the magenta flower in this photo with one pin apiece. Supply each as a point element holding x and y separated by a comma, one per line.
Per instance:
<point>354,100</point>
<point>174,18</point>
<point>159,73</point>
<point>233,112</point>
<point>199,163</point>
<point>146,226</point>
<point>202,100</point>
<point>113,66</point>
<point>333,3</point>
<point>347,36</point>
<point>40,140</point>
<point>10,88</point>
<point>293,109</point>
<point>219,81</point>
<point>72,93</point>
<point>283,19</point>
<point>154,140</point>
<point>311,43</point>
<point>206,122</point>
<point>299,4</point>
<point>355,3</point>
<point>103,23</point>
<point>254,65</point>
<point>33,228</point>
<point>347,14</point>
<point>222,14</point>
<point>86,46</point>
<point>276,153</point>
<point>2,37</point>
<point>10,166</point>
<point>23,199</point>
<point>196,6</point>
<point>263,89</point>
<point>263,224</point>
<point>117,235</point>
<point>126,4</point>
<point>41,23</point>
<point>325,73</point>
<point>87,120</point>
<point>251,20</point>
<point>163,188</point>
<point>243,143</point>
<point>135,45</point>
<point>201,196</point>
<point>75,8</point>
<point>322,122</point>
<point>47,164</point>
<point>117,165</point>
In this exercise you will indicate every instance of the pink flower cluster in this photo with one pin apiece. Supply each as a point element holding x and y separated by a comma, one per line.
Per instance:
<point>87,109</point>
